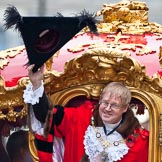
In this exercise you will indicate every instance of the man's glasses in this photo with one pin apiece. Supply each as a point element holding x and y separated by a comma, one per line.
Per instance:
<point>112,106</point>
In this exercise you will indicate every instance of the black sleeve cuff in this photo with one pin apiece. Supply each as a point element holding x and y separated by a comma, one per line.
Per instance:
<point>40,109</point>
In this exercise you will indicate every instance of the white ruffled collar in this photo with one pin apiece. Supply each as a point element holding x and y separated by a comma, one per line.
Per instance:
<point>115,150</point>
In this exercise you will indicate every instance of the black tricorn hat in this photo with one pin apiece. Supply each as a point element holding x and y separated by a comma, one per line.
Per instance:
<point>44,36</point>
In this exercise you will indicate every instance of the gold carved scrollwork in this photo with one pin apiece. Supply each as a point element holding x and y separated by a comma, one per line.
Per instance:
<point>2,88</point>
<point>160,56</point>
<point>32,147</point>
<point>160,136</point>
<point>99,66</point>
<point>12,115</point>
<point>9,53</point>
<point>126,11</point>
<point>10,104</point>
<point>160,130</point>
<point>10,99</point>
<point>131,17</point>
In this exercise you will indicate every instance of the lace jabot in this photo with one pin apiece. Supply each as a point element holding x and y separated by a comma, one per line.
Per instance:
<point>113,146</point>
<point>31,96</point>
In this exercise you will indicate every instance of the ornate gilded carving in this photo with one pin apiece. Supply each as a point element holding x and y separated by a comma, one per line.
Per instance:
<point>101,65</point>
<point>32,147</point>
<point>9,103</point>
<point>12,115</point>
<point>131,17</point>
<point>125,11</point>
<point>160,56</point>
<point>2,88</point>
<point>49,62</point>
<point>10,97</point>
<point>12,52</point>
<point>160,130</point>
<point>116,43</point>
<point>129,28</point>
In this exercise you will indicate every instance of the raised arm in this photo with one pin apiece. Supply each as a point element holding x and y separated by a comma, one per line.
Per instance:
<point>34,94</point>
<point>35,78</point>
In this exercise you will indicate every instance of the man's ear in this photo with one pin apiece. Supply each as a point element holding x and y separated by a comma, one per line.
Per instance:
<point>126,108</point>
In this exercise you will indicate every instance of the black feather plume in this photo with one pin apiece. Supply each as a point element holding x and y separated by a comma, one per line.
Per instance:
<point>89,20</point>
<point>12,18</point>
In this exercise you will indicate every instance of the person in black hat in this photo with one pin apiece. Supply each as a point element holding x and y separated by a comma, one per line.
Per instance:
<point>114,134</point>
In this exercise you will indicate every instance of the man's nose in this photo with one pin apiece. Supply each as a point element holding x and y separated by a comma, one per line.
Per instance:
<point>108,107</point>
